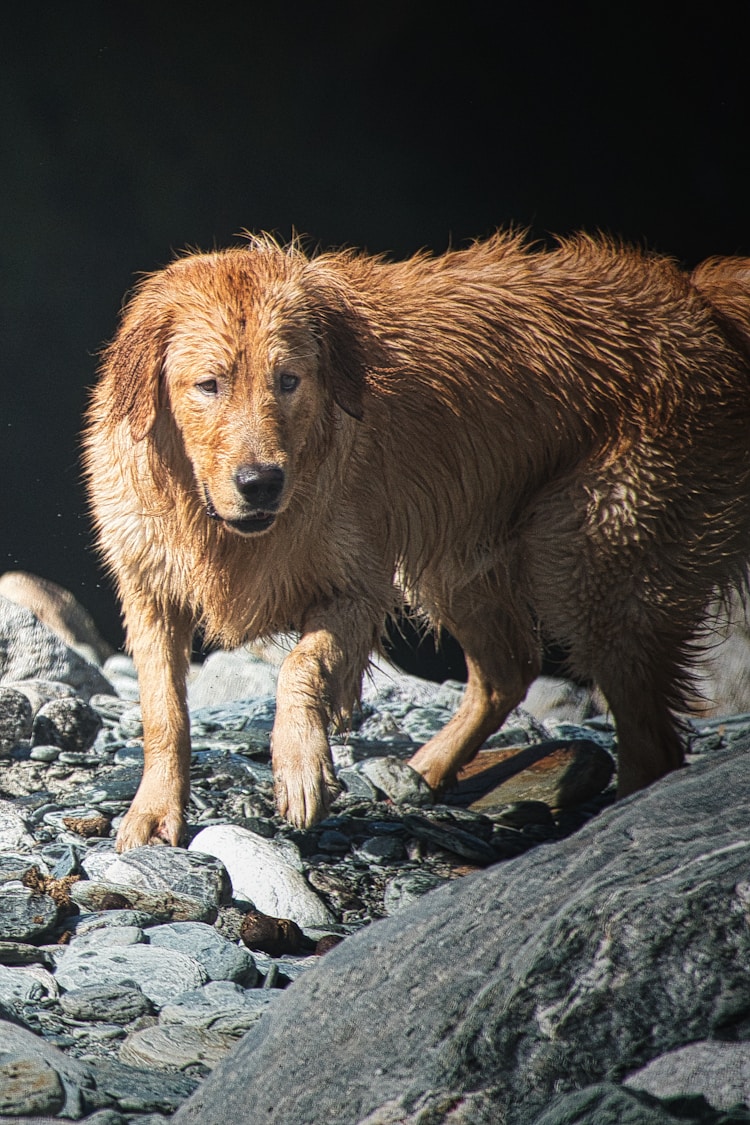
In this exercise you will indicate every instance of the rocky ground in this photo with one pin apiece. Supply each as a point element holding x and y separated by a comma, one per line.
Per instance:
<point>124,980</point>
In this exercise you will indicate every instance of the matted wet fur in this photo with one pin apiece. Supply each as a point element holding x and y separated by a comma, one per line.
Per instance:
<point>511,439</point>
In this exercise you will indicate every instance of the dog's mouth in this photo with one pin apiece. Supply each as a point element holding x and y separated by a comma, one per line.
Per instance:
<point>250,524</point>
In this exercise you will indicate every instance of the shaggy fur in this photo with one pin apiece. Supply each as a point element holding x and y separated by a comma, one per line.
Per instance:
<point>512,440</point>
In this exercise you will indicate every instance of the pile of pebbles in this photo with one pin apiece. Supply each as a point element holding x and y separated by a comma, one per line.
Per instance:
<point>125,978</point>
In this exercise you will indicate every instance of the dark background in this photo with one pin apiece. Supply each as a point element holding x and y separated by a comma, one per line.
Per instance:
<point>130,131</point>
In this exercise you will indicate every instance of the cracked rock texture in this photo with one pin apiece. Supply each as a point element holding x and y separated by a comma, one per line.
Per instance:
<point>572,966</point>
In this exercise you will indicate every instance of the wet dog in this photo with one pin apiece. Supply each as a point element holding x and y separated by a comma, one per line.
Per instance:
<point>509,439</point>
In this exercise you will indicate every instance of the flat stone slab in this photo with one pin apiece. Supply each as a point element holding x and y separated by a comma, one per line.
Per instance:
<point>562,773</point>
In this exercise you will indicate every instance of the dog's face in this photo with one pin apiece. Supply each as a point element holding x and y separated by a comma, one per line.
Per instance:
<point>249,358</point>
<point>243,383</point>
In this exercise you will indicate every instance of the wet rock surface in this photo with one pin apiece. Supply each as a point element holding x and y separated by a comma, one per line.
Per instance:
<point>591,961</point>
<point>126,980</point>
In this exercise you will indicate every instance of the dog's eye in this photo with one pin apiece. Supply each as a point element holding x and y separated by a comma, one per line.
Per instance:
<point>209,387</point>
<point>288,382</point>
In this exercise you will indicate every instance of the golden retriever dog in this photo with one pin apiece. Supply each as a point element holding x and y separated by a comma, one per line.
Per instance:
<point>516,441</point>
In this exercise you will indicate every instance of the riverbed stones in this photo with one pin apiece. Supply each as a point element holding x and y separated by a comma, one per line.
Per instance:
<point>166,906</point>
<point>373,857</point>
<point>70,724</point>
<point>572,965</point>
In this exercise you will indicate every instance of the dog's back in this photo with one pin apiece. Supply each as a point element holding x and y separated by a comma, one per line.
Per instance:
<point>725,283</point>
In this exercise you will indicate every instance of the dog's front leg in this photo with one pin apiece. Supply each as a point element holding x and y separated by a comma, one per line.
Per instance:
<point>319,681</point>
<point>159,637</point>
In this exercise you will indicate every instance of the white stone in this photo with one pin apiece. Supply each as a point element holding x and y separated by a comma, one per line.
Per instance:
<point>267,873</point>
<point>228,676</point>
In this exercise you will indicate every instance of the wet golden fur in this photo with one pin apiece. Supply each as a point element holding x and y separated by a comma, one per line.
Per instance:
<point>513,440</point>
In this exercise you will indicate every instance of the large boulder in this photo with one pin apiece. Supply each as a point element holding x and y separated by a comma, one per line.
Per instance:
<point>59,610</point>
<point>571,967</point>
<point>31,651</point>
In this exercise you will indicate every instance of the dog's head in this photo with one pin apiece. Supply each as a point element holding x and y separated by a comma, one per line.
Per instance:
<point>252,354</point>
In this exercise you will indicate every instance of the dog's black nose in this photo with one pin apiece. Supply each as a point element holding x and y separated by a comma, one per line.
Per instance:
<point>260,485</point>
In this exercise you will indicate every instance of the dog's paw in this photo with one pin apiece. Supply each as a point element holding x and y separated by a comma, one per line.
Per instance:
<point>144,826</point>
<point>304,787</point>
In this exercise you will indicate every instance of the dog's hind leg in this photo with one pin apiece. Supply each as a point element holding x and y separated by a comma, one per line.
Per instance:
<point>503,657</point>
<point>644,699</point>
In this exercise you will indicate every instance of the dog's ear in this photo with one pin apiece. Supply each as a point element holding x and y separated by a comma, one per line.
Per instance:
<point>349,348</point>
<point>132,363</point>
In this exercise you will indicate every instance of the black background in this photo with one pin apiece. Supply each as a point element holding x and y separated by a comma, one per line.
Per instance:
<point>130,131</point>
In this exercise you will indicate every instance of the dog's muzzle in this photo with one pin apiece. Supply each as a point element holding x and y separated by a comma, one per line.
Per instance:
<point>261,487</point>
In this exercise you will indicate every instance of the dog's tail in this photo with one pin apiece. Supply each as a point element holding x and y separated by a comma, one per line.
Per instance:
<point>725,284</point>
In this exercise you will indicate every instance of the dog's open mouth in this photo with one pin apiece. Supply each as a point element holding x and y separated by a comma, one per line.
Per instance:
<point>248,525</point>
<point>258,521</point>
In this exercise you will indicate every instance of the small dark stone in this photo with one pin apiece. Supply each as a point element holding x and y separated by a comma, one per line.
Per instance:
<point>274,936</point>
<point>113,901</point>
<point>15,717</point>
<point>69,723</point>
<point>324,944</point>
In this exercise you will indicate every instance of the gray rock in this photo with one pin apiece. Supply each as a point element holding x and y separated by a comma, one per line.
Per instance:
<point>15,834</point>
<point>34,1060</point>
<point>227,676</point>
<point>29,1086</point>
<point>44,753</point>
<point>267,873</point>
<point>25,985</point>
<point>21,953</point>
<point>396,780</point>
<point>451,838</point>
<point>70,724</point>
<point>571,965</point>
<point>116,787</point>
<point>718,1071</point>
<point>29,650</point>
<point>108,936</point>
<point>59,610</point>
<point>24,914</point>
<point>161,974</point>
<point>87,923</point>
<point>115,1003</point>
<point>553,699</point>
<point>221,1006</point>
<point>139,1089</point>
<point>380,849</point>
<point>221,959</point>
<point>38,692</point>
<point>14,865</point>
<point>15,718</point>
<point>605,1103</point>
<point>175,1046</point>
<point>173,869</point>
<point>407,888</point>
